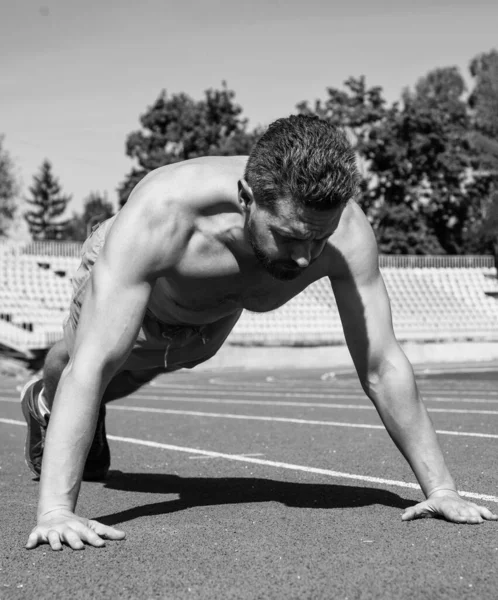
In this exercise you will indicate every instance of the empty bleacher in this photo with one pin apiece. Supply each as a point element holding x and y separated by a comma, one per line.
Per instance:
<point>432,298</point>
<point>35,289</point>
<point>438,298</point>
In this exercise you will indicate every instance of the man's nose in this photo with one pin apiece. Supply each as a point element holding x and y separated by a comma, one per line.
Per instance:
<point>301,255</point>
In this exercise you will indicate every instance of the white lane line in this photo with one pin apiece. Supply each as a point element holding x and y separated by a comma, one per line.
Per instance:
<point>194,399</point>
<point>271,463</point>
<point>194,413</point>
<point>165,398</point>
<point>12,422</point>
<point>211,457</point>
<point>241,390</point>
<point>434,395</point>
<point>456,387</point>
<point>301,404</point>
<point>329,396</point>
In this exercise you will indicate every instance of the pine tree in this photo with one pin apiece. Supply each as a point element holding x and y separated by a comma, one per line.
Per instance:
<point>49,203</point>
<point>9,189</point>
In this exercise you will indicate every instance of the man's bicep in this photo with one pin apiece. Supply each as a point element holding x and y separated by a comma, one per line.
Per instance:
<point>111,315</point>
<point>145,242</point>
<point>365,313</point>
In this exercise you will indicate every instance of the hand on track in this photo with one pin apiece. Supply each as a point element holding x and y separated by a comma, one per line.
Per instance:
<point>60,527</point>
<point>450,506</point>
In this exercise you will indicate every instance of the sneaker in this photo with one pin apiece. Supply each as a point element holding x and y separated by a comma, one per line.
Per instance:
<point>99,457</point>
<point>37,425</point>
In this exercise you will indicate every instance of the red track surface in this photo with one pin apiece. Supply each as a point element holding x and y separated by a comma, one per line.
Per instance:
<point>262,485</point>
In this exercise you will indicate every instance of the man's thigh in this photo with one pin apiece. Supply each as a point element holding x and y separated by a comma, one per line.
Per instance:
<point>125,383</point>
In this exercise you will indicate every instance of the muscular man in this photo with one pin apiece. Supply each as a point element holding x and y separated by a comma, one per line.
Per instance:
<point>162,284</point>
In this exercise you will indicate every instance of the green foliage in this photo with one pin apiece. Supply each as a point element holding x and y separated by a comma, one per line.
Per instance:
<point>9,190</point>
<point>49,203</point>
<point>433,128</point>
<point>358,109</point>
<point>403,230</point>
<point>482,223</point>
<point>418,155</point>
<point>482,227</point>
<point>178,128</point>
<point>430,161</point>
<point>484,98</point>
<point>96,208</point>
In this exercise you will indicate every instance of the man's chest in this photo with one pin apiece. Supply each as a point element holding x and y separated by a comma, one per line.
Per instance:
<point>221,293</point>
<point>211,283</point>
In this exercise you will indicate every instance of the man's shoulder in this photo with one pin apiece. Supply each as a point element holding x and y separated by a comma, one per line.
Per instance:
<point>194,184</point>
<point>168,207</point>
<point>353,247</point>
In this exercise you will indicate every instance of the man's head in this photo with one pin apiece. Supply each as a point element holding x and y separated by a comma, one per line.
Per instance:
<point>299,176</point>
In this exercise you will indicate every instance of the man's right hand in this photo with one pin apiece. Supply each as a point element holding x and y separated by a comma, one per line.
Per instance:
<point>60,527</point>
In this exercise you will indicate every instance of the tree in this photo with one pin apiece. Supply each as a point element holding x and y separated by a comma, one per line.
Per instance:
<point>482,223</point>
<point>416,155</point>
<point>435,126</point>
<point>482,226</point>
<point>177,128</point>
<point>484,97</point>
<point>96,208</point>
<point>358,109</point>
<point>401,229</point>
<point>9,190</point>
<point>49,203</point>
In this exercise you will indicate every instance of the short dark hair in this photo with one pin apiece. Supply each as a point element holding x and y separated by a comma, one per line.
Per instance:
<point>306,159</point>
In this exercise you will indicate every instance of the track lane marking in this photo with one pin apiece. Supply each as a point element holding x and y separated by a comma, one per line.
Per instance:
<point>276,464</point>
<point>452,386</point>
<point>289,419</point>
<point>192,413</point>
<point>301,404</point>
<point>281,403</point>
<point>179,398</point>
<point>336,394</point>
<point>307,392</point>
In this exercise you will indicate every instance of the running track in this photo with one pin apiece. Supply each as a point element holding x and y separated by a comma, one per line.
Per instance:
<point>280,485</point>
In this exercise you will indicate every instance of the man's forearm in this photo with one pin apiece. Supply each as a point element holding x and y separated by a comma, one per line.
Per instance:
<point>69,437</point>
<point>395,395</point>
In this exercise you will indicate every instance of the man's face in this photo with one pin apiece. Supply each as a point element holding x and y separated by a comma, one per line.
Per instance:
<point>289,237</point>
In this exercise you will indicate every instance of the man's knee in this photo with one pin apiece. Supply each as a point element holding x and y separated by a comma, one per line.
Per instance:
<point>55,362</point>
<point>56,359</point>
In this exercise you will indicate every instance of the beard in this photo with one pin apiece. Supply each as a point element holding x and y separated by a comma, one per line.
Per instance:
<point>279,269</point>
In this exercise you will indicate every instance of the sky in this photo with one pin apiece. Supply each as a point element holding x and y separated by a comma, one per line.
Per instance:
<point>75,75</point>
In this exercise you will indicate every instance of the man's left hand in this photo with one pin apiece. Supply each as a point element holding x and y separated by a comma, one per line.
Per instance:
<point>450,506</point>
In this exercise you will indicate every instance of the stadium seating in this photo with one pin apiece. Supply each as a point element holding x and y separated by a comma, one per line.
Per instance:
<point>432,298</point>
<point>35,290</point>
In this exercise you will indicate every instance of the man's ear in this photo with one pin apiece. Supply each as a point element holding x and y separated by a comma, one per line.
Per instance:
<point>246,197</point>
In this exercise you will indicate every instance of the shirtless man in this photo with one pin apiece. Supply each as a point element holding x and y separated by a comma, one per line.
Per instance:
<point>196,243</point>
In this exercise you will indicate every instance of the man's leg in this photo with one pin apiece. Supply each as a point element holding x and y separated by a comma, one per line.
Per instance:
<point>37,399</point>
<point>126,382</point>
<point>55,362</point>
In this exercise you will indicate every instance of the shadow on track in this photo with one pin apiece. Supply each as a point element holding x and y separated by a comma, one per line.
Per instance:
<point>195,491</point>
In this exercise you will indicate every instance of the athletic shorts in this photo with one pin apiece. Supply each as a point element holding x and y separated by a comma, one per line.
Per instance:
<point>158,344</point>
